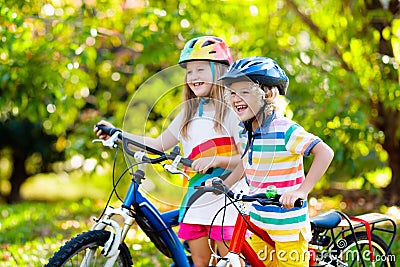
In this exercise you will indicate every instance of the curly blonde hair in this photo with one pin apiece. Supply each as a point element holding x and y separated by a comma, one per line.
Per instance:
<point>271,95</point>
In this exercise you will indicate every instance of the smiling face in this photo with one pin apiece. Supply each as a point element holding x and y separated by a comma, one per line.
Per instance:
<point>246,99</point>
<point>199,77</point>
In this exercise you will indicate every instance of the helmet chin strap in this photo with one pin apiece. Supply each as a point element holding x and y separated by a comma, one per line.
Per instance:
<point>212,70</point>
<point>248,127</point>
<point>203,100</point>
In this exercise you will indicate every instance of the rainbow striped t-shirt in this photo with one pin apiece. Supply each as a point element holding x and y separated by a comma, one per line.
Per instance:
<point>199,207</point>
<point>275,157</point>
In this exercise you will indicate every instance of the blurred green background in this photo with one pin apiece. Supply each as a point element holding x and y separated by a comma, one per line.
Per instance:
<point>66,64</point>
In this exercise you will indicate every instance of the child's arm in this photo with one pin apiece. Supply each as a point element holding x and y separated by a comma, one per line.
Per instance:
<point>236,175</point>
<point>323,156</point>
<point>201,165</point>
<point>164,141</point>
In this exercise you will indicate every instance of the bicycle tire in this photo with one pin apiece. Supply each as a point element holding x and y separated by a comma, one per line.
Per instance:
<point>350,256</point>
<point>74,251</point>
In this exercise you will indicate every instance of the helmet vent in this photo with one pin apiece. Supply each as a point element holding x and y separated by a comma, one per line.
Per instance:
<point>253,64</point>
<point>207,43</point>
<point>212,52</point>
<point>245,64</point>
<point>193,43</point>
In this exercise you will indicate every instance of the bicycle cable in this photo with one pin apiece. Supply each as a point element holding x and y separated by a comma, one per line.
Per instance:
<point>223,218</point>
<point>222,222</point>
<point>113,173</point>
<point>115,184</point>
<point>232,203</point>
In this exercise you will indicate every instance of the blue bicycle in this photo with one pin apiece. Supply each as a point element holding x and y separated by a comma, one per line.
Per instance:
<point>104,244</point>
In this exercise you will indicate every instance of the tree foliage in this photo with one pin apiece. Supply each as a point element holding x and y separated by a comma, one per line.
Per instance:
<point>67,64</point>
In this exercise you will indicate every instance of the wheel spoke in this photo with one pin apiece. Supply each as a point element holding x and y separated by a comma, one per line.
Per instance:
<point>85,251</point>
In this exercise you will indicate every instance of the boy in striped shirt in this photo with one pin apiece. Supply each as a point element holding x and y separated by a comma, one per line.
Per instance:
<point>273,150</point>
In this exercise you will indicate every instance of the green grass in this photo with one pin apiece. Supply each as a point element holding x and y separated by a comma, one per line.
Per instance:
<point>32,231</point>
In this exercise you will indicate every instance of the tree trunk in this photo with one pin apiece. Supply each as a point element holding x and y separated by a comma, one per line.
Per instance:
<point>388,121</point>
<point>18,177</point>
<point>391,192</point>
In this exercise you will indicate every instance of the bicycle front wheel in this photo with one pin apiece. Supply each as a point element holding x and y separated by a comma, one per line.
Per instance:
<point>75,251</point>
<point>352,257</point>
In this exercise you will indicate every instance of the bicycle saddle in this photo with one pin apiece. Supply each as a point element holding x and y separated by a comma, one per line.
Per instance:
<point>327,220</point>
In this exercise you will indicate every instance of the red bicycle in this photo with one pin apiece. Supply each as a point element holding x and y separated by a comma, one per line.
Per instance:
<point>338,240</point>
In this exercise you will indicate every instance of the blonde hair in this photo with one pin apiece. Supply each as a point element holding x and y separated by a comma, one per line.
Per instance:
<point>271,96</point>
<point>191,102</point>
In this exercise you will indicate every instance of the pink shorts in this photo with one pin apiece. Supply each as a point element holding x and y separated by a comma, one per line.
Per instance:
<point>194,231</point>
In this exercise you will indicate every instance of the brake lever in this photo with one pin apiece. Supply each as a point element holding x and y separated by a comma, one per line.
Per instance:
<point>173,167</point>
<point>110,142</point>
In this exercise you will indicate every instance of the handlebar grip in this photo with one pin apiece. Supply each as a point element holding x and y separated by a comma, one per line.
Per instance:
<point>210,170</point>
<point>186,162</point>
<point>217,188</point>
<point>299,203</point>
<point>210,189</point>
<point>108,130</point>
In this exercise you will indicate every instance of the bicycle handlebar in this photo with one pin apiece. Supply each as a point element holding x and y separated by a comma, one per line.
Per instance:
<point>218,187</point>
<point>162,155</point>
<point>109,130</point>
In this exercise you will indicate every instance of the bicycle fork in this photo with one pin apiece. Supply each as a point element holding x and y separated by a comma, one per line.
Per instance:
<point>117,235</point>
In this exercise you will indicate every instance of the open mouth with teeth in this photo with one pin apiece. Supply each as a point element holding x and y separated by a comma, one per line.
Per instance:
<point>197,84</point>
<point>240,108</point>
